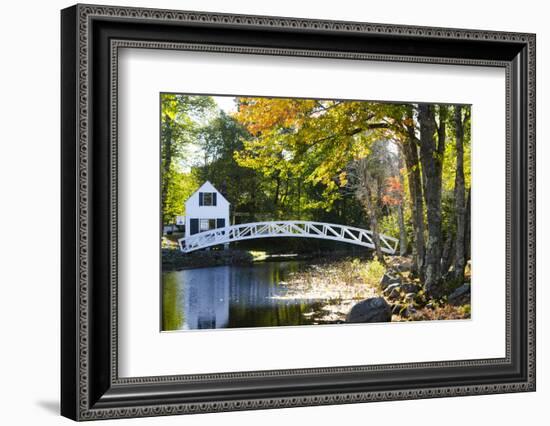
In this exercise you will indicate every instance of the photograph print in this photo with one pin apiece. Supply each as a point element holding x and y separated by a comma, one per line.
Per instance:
<point>297,211</point>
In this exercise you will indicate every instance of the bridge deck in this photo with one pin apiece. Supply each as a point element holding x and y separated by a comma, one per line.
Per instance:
<point>288,228</point>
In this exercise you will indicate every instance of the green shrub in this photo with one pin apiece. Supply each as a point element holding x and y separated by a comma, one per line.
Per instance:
<point>389,225</point>
<point>372,272</point>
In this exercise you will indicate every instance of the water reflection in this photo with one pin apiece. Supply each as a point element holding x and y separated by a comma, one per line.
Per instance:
<point>230,297</point>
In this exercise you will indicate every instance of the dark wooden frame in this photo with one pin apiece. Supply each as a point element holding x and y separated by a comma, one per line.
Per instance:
<point>90,386</point>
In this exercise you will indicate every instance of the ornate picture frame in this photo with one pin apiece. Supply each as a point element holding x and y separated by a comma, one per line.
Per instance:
<point>91,38</point>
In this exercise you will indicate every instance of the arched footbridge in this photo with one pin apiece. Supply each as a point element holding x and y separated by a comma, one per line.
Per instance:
<point>287,228</point>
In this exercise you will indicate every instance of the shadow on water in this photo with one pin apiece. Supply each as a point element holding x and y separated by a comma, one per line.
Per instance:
<point>231,297</point>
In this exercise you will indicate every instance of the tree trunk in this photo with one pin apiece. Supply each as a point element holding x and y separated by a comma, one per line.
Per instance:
<point>447,255</point>
<point>402,231</point>
<point>364,191</point>
<point>371,211</point>
<point>285,195</point>
<point>467,237</point>
<point>300,198</point>
<point>400,215</point>
<point>276,196</point>
<point>431,155</point>
<point>166,164</point>
<point>410,152</point>
<point>460,202</point>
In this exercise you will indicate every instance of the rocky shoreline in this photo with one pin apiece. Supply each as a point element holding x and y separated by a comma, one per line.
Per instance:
<point>173,260</point>
<point>349,292</point>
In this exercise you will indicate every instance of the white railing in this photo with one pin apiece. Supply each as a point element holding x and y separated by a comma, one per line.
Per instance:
<point>287,228</point>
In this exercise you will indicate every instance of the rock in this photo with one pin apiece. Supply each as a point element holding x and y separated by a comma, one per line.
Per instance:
<point>393,291</point>
<point>460,296</point>
<point>409,297</point>
<point>397,308</point>
<point>404,265</point>
<point>374,309</point>
<point>389,279</point>
<point>401,263</point>
<point>407,312</point>
<point>410,288</point>
<point>403,310</point>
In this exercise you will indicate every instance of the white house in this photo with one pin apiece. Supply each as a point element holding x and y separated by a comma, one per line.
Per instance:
<point>206,209</point>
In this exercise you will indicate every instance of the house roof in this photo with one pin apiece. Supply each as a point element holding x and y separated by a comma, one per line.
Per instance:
<point>208,187</point>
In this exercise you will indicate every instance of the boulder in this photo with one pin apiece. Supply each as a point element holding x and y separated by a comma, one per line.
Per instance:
<point>374,309</point>
<point>460,296</point>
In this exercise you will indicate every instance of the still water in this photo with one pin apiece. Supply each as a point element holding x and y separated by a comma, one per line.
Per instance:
<point>231,297</point>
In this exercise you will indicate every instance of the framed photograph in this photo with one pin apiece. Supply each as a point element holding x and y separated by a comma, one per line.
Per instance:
<point>263,212</point>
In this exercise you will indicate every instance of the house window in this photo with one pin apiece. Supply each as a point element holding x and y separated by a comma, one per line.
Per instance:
<point>207,198</point>
<point>207,224</point>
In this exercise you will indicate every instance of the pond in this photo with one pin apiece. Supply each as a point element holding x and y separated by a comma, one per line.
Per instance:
<point>233,297</point>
